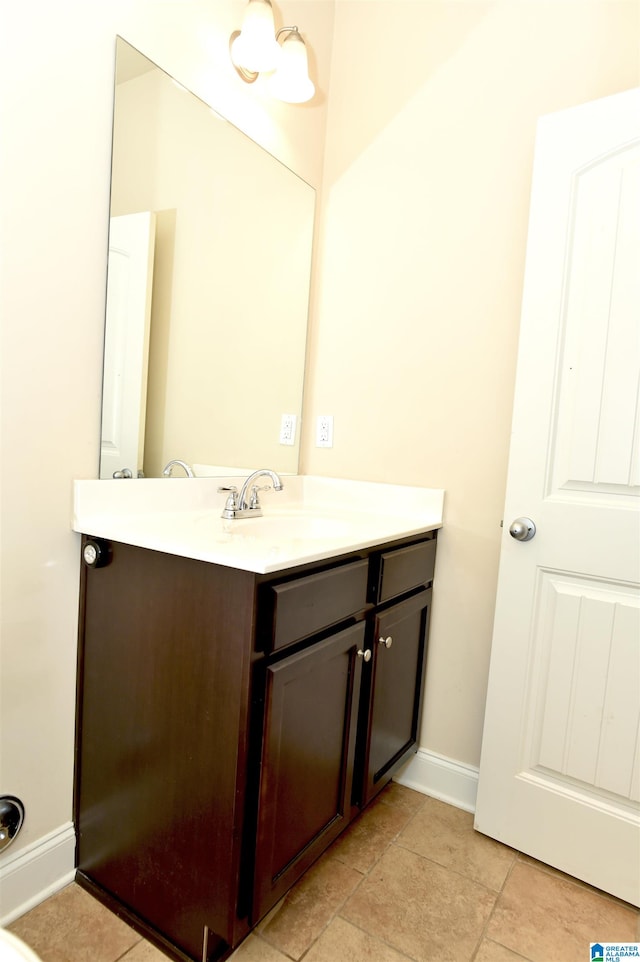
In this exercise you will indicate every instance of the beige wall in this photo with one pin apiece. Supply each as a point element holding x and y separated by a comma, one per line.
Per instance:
<point>57,82</point>
<point>433,109</point>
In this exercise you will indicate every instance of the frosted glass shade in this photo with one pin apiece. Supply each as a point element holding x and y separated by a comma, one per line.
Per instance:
<point>291,81</point>
<point>256,48</point>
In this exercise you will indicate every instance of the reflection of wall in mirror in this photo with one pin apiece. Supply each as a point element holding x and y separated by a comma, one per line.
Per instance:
<point>231,281</point>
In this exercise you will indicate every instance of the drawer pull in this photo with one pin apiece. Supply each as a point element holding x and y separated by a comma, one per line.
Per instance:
<point>387,642</point>
<point>365,654</point>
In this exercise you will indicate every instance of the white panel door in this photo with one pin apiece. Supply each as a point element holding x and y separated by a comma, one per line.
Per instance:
<point>126,348</point>
<point>560,768</point>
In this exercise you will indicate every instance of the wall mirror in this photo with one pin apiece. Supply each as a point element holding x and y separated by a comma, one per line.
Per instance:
<point>210,248</point>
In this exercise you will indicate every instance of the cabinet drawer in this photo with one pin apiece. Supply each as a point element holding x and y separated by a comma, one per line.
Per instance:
<point>307,605</point>
<point>406,568</point>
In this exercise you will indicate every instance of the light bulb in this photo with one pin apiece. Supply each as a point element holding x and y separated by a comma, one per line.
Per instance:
<point>291,81</point>
<point>256,49</point>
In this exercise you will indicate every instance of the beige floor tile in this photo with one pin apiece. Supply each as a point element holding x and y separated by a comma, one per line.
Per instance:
<point>367,838</point>
<point>402,797</point>
<point>72,926</point>
<point>528,860</point>
<point>446,835</point>
<point>309,906</point>
<point>424,910</point>
<point>255,949</point>
<point>144,952</point>
<point>343,942</point>
<point>492,952</point>
<point>551,919</point>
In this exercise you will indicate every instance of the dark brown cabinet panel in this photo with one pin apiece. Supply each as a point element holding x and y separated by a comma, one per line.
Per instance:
<point>161,725</point>
<point>404,569</point>
<point>231,724</point>
<point>305,606</point>
<point>308,755</point>
<point>391,718</point>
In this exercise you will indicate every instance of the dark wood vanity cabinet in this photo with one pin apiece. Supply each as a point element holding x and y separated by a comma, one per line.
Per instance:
<point>230,725</point>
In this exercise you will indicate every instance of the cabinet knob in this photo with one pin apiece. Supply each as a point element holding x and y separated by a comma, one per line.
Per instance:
<point>387,642</point>
<point>365,654</point>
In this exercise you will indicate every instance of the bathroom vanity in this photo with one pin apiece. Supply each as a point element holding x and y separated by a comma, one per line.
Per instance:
<point>245,686</point>
<point>242,697</point>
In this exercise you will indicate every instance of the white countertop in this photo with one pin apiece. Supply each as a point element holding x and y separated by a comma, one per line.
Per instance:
<point>311,519</point>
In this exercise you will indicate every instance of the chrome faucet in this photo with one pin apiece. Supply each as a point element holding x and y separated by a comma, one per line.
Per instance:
<point>237,505</point>
<point>183,464</point>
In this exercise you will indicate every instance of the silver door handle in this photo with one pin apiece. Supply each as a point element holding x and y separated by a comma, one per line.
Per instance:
<point>522,529</point>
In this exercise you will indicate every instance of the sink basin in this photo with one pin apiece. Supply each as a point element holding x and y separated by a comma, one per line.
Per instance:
<point>290,527</point>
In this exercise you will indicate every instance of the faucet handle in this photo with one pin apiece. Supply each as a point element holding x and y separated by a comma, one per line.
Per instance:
<point>231,504</point>
<point>254,501</point>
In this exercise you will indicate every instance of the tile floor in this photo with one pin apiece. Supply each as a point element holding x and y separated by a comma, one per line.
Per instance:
<point>410,881</point>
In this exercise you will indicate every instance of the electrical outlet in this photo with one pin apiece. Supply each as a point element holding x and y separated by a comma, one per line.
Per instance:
<point>324,431</point>
<point>288,429</point>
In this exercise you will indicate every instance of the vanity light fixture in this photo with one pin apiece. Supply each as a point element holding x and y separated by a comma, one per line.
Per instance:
<point>257,48</point>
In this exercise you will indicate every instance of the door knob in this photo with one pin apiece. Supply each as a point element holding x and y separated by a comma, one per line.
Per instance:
<point>522,529</point>
<point>387,642</point>
<point>365,654</point>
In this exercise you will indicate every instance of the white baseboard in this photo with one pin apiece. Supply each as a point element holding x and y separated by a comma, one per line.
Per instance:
<point>442,778</point>
<point>36,872</point>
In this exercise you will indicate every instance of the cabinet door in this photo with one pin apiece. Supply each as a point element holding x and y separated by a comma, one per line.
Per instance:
<point>391,718</point>
<point>308,750</point>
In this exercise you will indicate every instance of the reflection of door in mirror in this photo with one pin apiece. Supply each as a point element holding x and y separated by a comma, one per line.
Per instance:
<point>231,276</point>
<point>126,348</point>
